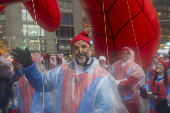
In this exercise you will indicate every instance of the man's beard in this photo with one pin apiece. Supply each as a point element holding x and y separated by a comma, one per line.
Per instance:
<point>81,62</point>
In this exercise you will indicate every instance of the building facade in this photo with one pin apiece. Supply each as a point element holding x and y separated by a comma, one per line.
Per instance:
<point>17,28</point>
<point>163,9</point>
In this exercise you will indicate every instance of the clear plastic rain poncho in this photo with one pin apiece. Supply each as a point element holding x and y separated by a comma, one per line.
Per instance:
<point>93,91</point>
<point>130,76</point>
<point>26,100</point>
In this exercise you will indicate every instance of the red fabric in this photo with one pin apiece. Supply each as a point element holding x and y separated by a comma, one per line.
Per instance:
<point>155,56</point>
<point>81,36</point>
<point>125,49</point>
<point>27,92</point>
<point>164,63</point>
<point>132,105</point>
<point>71,103</point>
<point>131,81</point>
<point>15,111</point>
<point>47,56</point>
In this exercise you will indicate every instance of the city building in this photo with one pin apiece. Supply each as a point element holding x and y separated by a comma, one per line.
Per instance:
<point>163,9</point>
<point>17,28</point>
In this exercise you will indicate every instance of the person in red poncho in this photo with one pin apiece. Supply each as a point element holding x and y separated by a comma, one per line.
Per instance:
<point>48,64</point>
<point>129,76</point>
<point>150,72</point>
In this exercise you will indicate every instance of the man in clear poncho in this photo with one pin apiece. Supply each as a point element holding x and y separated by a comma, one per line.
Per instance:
<point>81,86</point>
<point>26,100</point>
<point>129,76</point>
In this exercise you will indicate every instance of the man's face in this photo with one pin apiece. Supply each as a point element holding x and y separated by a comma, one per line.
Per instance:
<point>53,59</point>
<point>59,61</point>
<point>162,58</point>
<point>46,61</point>
<point>81,51</point>
<point>102,63</point>
<point>125,56</point>
<point>154,60</point>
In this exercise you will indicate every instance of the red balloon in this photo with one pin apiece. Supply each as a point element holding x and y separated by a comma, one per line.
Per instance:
<point>47,12</point>
<point>131,23</point>
<point>2,8</point>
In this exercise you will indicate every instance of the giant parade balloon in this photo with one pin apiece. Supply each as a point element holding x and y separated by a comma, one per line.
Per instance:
<point>119,23</point>
<point>45,12</point>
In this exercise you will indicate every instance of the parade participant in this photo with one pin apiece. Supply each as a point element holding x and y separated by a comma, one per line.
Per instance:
<point>102,62</point>
<point>53,59</point>
<point>159,85</point>
<point>150,72</point>
<point>161,57</point>
<point>26,100</point>
<point>6,75</point>
<point>48,64</point>
<point>81,86</point>
<point>128,76</point>
<point>60,61</point>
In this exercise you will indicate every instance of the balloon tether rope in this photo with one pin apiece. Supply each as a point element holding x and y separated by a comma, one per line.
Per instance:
<point>105,32</point>
<point>134,33</point>
<point>39,50</point>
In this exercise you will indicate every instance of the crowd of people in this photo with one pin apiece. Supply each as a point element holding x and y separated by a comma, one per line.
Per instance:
<point>38,82</point>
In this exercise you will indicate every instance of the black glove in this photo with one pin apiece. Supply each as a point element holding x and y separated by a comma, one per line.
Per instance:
<point>162,105</point>
<point>22,56</point>
<point>143,93</point>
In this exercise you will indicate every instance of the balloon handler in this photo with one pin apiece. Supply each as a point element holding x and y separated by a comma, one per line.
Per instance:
<point>81,86</point>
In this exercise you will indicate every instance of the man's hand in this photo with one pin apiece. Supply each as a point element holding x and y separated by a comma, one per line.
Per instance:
<point>143,93</point>
<point>22,56</point>
<point>162,105</point>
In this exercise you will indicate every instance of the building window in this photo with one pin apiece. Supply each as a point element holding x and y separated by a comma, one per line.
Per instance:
<point>2,16</point>
<point>65,5</point>
<point>168,15</point>
<point>164,7</point>
<point>26,17</point>
<point>168,8</point>
<point>64,45</point>
<point>33,30</point>
<point>67,18</point>
<point>34,45</point>
<point>65,32</point>
<point>165,15</point>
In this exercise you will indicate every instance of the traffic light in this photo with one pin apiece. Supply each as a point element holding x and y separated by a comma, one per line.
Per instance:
<point>23,46</point>
<point>56,40</point>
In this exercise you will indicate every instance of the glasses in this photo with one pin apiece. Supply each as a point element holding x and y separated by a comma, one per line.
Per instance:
<point>159,64</point>
<point>125,53</point>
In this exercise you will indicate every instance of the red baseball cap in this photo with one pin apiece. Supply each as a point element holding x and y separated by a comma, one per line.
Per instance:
<point>47,56</point>
<point>125,49</point>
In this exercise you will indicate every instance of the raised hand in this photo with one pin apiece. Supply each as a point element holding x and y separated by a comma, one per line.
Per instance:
<point>22,56</point>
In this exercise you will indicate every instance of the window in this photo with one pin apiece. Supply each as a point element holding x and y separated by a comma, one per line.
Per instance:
<point>168,8</point>
<point>164,7</point>
<point>34,45</point>
<point>2,16</point>
<point>67,18</point>
<point>26,17</point>
<point>33,30</point>
<point>168,15</point>
<point>65,5</point>
<point>64,45</point>
<point>65,32</point>
<point>165,15</point>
